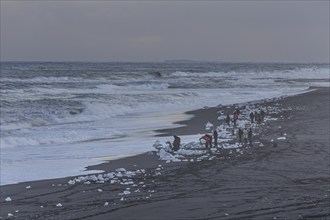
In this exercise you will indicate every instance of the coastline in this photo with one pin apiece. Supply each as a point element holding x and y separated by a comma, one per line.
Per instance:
<point>236,185</point>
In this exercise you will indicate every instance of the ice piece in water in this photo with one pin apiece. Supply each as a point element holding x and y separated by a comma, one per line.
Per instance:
<point>8,199</point>
<point>281,138</point>
<point>58,205</point>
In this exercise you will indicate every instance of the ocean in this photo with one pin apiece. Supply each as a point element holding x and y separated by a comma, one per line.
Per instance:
<point>58,117</point>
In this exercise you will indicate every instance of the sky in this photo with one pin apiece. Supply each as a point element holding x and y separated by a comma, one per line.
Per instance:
<point>236,31</point>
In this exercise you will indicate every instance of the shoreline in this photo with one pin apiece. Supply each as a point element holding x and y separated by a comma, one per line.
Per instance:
<point>196,117</point>
<point>43,191</point>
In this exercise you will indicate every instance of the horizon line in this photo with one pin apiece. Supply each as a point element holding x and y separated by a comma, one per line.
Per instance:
<point>163,61</point>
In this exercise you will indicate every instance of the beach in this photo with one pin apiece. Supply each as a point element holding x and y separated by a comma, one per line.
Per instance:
<point>285,177</point>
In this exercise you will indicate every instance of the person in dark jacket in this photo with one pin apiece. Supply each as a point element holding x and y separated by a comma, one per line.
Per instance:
<point>252,117</point>
<point>240,134</point>
<point>250,136</point>
<point>215,137</point>
<point>262,115</point>
<point>176,143</point>
<point>228,120</point>
<point>257,117</point>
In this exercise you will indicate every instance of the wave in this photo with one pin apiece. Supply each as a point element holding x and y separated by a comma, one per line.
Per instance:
<point>23,124</point>
<point>150,86</point>
<point>48,80</point>
<point>55,136</point>
<point>300,73</point>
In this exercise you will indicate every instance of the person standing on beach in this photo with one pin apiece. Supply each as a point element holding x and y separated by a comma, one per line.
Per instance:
<point>235,118</point>
<point>176,143</point>
<point>250,136</point>
<point>259,118</point>
<point>240,134</point>
<point>256,116</point>
<point>245,135</point>
<point>228,120</point>
<point>252,117</point>
<point>262,115</point>
<point>215,136</point>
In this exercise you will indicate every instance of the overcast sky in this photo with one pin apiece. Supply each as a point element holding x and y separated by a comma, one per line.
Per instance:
<point>241,31</point>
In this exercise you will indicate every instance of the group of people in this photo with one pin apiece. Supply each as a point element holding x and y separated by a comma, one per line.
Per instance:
<point>235,118</point>
<point>258,117</point>
<point>243,134</point>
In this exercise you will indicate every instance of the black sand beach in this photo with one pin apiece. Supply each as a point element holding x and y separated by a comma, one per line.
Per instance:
<point>289,180</point>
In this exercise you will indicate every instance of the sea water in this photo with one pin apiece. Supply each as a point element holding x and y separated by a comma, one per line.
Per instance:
<point>57,118</point>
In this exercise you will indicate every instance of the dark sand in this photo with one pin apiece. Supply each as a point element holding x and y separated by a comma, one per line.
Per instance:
<point>290,181</point>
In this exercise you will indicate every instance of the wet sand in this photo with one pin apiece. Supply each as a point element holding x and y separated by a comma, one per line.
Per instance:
<point>289,180</point>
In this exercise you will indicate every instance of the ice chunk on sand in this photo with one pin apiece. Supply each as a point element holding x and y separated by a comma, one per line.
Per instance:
<point>106,203</point>
<point>281,138</point>
<point>163,155</point>
<point>190,152</point>
<point>121,170</point>
<point>8,199</point>
<point>126,192</point>
<point>157,145</point>
<point>58,205</point>
<point>208,125</point>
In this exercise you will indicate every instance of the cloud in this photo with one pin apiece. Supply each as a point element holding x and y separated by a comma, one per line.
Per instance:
<point>155,31</point>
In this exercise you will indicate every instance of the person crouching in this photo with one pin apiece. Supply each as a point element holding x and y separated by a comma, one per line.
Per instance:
<point>208,140</point>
